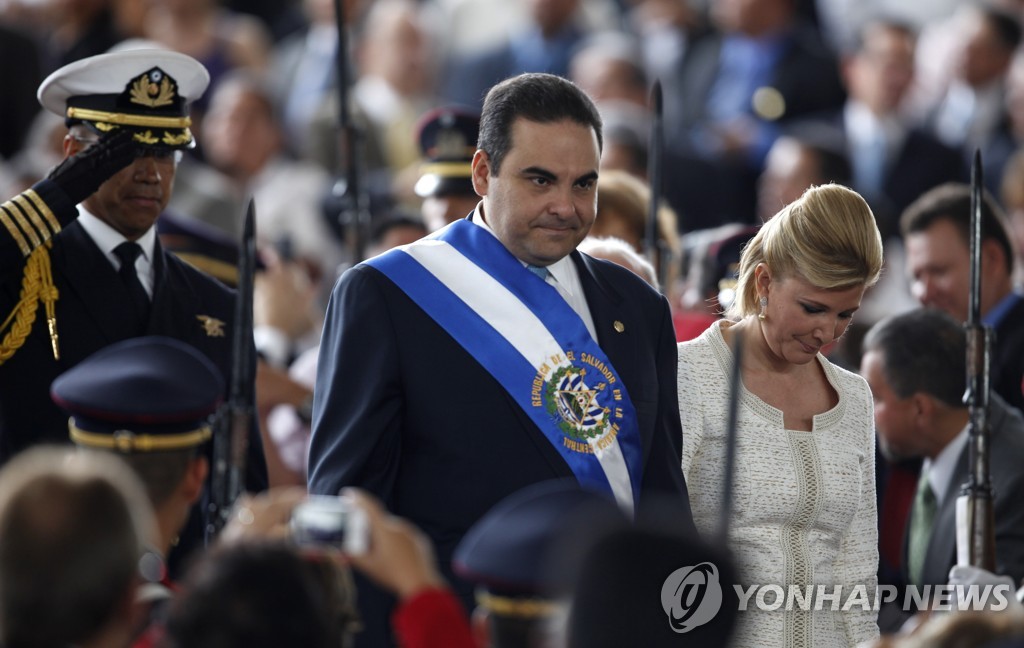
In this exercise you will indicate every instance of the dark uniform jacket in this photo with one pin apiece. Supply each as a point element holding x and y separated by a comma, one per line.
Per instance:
<point>93,310</point>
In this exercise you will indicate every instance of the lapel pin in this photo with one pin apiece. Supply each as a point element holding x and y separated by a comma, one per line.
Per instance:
<point>211,326</point>
<point>618,326</point>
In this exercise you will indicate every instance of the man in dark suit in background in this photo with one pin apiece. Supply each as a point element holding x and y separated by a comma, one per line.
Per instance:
<point>77,279</point>
<point>915,364</point>
<point>762,68</point>
<point>492,355</point>
<point>936,230</point>
<point>893,163</point>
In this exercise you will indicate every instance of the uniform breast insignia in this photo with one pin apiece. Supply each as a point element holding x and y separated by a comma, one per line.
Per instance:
<point>582,401</point>
<point>212,326</point>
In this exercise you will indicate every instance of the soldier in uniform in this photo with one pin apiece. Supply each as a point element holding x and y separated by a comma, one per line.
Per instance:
<point>148,400</point>
<point>103,275</point>
<point>521,556</point>
<point>74,280</point>
<point>447,139</point>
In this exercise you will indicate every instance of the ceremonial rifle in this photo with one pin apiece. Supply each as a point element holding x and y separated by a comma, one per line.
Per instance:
<point>235,420</point>
<point>975,535</point>
<point>655,251</point>
<point>348,195</point>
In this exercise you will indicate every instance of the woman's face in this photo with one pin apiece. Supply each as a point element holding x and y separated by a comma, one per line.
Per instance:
<point>800,318</point>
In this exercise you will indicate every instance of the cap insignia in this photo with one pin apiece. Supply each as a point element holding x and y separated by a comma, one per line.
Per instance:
<point>450,143</point>
<point>153,89</point>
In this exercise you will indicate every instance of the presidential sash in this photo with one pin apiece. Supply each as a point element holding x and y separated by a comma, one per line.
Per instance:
<point>535,345</point>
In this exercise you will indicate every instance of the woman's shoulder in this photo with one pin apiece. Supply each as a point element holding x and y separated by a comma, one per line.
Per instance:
<point>705,344</point>
<point>851,383</point>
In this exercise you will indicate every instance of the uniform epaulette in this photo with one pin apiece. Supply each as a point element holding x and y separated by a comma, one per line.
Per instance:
<point>36,286</point>
<point>29,221</point>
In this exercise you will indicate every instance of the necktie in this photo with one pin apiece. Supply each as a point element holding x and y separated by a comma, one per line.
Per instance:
<point>922,516</point>
<point>128,252</point>
<point>540,271</point>
<point>870,163</point>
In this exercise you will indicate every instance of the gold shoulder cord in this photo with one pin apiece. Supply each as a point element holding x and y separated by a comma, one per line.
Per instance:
<point>36,286</point>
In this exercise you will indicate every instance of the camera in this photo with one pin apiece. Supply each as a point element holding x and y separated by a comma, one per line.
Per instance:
<point>332,522</point>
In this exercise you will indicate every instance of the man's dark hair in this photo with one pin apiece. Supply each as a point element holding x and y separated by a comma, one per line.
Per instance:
<point>541,98</point>
<point>952,202</point>
<point>885,21</point>
<point>1005,25</point>
<point>70,541</point>
<point>924,350</point>
<point>392,222</point>
<point>161,472</point>
<point>251,596</point>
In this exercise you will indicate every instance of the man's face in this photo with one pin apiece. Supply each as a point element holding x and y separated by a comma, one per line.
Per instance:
<point>939,265</point>
<point>132,198</point>
<point>983,58</point>
<point>882,71</point>
<point>544,200</point>
<point>240,133</point>
<point>898,439</point>
<point>438,211</point>
<point>789,170</point>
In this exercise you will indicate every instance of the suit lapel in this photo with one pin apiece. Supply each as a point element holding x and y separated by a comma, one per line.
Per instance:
<point>89,275</point>
<point>616,329</point>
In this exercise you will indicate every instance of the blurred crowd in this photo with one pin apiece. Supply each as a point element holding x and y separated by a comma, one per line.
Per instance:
<point>760,99</point>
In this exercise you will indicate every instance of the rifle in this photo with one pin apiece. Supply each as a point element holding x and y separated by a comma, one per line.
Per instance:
<point>655,250</point>
<point>234,421</point>
<point>348,195</point>
<point>975,534</point>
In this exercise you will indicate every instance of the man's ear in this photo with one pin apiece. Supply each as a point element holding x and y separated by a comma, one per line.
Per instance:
<point>993,258</point>
<point>924,409</point>
<point>195,478</point>
<point>70,145</point>
<point>481,172</point>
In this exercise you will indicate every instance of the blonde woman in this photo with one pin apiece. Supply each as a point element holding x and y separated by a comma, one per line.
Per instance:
<point>804,488</point>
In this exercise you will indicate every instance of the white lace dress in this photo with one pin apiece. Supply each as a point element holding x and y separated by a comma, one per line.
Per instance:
<point>803,502</point>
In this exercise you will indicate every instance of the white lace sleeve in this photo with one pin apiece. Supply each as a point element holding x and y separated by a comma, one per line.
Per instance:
<point>690,384</point>
<point>857,562</point>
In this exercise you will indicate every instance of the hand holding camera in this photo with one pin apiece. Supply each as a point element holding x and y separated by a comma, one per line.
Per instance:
<point>389,550</point>
<point>399,557</point>
<point>331,522</point>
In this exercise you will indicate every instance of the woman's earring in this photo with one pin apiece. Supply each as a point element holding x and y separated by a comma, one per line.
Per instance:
<point>764,306</point>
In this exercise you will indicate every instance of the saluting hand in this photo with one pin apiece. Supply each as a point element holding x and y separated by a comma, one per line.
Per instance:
<point>80,175</point>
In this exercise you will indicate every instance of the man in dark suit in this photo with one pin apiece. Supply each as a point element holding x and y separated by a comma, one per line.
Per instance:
<point>915,364</point>
<point>936,238</point>
<point>762,68</point>
<point>492,355</point>
<point>75,280</point>
<point>893,163</point>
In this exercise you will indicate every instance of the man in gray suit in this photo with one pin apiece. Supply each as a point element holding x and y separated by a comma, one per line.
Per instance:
<point>915,365</point>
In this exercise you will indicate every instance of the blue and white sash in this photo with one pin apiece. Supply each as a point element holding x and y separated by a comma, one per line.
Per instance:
<point>525,335</point>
